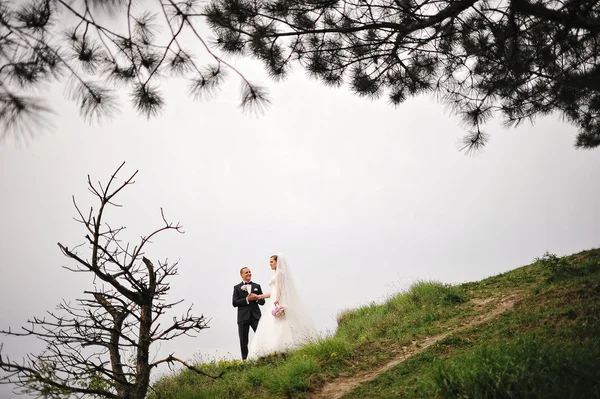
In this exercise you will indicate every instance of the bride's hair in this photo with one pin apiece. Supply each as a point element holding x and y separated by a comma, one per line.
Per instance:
<point>274,257</point>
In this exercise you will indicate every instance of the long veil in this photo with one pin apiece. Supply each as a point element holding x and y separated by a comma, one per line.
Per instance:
<point>287,295</point>
<point>280,334</point>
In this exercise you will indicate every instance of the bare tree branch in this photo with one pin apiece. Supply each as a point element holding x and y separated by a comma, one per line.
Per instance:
<point>173,359</point>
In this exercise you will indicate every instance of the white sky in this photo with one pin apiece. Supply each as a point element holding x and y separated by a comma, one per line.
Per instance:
<point>363,199</point>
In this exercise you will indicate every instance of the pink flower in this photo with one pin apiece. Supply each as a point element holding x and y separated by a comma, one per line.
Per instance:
<point>245,287</point>
<point>278,311</point>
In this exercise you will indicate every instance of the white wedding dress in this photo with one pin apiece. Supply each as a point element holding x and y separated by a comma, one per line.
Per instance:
<point>281,334</point>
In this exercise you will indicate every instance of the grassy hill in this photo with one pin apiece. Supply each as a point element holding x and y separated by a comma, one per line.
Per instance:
<point>533,332</point>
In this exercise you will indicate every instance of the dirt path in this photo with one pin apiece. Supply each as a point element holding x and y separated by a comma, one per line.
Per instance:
<point>341,386</point>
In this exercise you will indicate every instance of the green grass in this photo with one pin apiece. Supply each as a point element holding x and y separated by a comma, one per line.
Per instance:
<point>404,316</point>
<point>546,347</point>
<point>529,367</point>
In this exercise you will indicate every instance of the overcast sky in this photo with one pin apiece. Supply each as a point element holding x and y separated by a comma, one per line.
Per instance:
<point>362,198</point>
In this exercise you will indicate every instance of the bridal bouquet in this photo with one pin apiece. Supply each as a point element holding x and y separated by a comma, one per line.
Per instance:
<point>278,311</point>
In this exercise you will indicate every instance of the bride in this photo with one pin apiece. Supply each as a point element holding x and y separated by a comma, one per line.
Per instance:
<point>280,333</point>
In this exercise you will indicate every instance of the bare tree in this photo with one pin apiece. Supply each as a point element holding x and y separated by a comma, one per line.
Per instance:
<point>100,346</point>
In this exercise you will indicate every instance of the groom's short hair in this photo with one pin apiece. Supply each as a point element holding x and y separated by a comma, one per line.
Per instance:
<point>242,269</point>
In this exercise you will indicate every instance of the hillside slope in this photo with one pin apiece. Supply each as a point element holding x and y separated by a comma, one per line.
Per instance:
<point>528,333</point>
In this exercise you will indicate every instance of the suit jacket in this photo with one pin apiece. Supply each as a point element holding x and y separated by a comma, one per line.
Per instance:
<point>246,309</point>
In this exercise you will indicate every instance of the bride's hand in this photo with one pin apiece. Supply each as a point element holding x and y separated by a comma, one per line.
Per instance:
<point>276,303</point>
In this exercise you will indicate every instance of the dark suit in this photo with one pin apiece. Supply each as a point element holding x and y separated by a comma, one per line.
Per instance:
<point>248,313</point>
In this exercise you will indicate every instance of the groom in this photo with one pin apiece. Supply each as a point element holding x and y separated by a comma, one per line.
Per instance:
<point>245,298</point>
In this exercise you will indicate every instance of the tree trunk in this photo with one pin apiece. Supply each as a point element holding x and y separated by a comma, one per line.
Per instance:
<point>143,367</point>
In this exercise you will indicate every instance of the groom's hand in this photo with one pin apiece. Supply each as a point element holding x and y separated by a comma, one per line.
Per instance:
<point>252,297</point>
